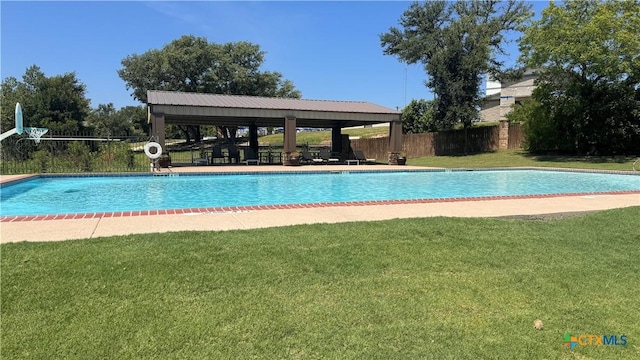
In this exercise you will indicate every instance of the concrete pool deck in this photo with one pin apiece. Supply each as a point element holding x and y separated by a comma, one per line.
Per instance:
<point>250,218</point>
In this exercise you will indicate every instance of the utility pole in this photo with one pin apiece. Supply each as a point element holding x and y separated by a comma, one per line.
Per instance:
<point>405,84</point>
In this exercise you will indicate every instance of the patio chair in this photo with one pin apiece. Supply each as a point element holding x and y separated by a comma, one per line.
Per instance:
<point>201,158</point>
<point>216,154</point>
<point>359,155</point>
<point>250,157</point>
<point>234,154</point>
<point>326,157</point>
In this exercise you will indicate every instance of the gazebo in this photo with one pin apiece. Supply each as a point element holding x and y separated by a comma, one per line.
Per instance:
<point>182,108</point>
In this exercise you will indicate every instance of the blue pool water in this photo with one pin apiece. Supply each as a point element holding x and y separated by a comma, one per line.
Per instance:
<point>70,195</point>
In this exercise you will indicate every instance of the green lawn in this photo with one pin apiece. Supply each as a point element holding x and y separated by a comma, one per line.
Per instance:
<point>515,158</point>
<point>402,289</point>
<point>317,137</point>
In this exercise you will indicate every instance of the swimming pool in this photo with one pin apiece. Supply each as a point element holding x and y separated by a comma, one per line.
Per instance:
<point>101,194</point>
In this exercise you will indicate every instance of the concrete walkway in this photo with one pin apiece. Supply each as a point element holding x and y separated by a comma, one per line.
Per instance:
<point>55,230</point>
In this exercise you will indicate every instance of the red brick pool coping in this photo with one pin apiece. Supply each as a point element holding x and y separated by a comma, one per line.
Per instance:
<point>232,209</point>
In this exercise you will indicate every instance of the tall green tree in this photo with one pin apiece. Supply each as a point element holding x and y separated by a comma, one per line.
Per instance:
<point>588,53</point>
<point>58,102</point>
<point>457,42</point>
<point>192,64</point>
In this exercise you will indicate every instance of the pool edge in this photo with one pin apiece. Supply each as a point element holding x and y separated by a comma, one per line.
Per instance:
<point>238,209</point>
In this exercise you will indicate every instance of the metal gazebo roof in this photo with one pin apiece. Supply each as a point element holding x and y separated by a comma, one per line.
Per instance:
<point>235,110</point>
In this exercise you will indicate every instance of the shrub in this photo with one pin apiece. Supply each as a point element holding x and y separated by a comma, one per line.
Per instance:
<point>42,160</point>
<point>79,155</point>
<point>539,131</point>
<point>116,155</point>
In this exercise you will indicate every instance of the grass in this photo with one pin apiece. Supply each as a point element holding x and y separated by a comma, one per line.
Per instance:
<point>516,158</point>
<point>400,289</point>
<point>318,137</point>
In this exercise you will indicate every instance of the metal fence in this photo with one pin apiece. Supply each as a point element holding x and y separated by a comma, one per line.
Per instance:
<point>84,152</point>
<point>72,153</point>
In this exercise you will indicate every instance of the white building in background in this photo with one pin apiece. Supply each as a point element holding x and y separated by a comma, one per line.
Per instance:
<point>500,97</point>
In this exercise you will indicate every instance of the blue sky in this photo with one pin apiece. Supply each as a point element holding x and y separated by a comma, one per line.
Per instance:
<point>329,49</point>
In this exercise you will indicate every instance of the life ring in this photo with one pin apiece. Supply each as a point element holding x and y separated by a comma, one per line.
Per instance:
<point>151,155</point>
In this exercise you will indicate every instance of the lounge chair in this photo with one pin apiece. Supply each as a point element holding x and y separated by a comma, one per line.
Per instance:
<point>307,158</point>
<point>200,161</point>
<point>361,158</point>
<point>325,155</point>
<point>216,154</point>
<point>250,157</point>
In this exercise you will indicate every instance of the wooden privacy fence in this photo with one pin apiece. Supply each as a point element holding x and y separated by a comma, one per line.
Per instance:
<point>516,136</point>
<point>453,142</point>
<point>376,148</point>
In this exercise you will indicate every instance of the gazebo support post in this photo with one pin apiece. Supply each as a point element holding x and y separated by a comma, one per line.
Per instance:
<point>290,154</point>
<point>156,120</point>
<point>395,142</point>
<point>253,138</point>
<point>336,139</point>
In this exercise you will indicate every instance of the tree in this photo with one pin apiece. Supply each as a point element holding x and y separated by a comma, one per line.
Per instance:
<point>11,92</point>
<point>534,121</point>
<point>417,117</point>
<point>589,87</point>
<point>137,116</point>
<point>58,103</point>
<point>109,122</point>
<point>192,64</point>
<point>457,43</point>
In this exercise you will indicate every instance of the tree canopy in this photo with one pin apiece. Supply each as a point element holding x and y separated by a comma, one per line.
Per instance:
<point>457,43</point>
<point>58,102</point>
<point>192,64</point>
<point>593,40</point>
<point>128,121</point>
<point>587,99</point>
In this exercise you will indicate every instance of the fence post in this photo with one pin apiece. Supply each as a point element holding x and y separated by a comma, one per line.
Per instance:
<point>110,155</point>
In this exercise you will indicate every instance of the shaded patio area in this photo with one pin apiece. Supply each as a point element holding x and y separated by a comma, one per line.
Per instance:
<point>180,108</point>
